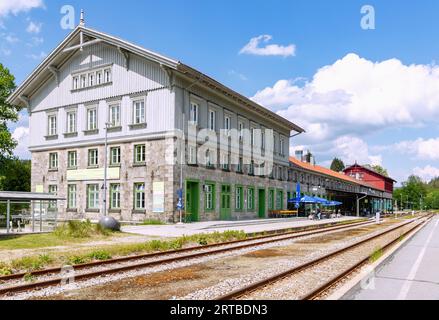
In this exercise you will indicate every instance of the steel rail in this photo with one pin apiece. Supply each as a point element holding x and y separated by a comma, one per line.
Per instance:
<point>254,242</point>
<point>236,294</point>
<point>313,295</point>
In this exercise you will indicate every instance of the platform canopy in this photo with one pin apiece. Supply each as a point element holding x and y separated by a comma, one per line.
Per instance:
<point>28,196</point>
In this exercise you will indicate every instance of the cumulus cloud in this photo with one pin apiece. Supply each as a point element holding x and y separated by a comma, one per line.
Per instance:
<point>34,27</point>
<point>427,149</point>
<point>11,38</point>
<point>21,135</point>
<point>355,96</point>
<point>39,56</point>
<point>14,7</point>
<point>253,47</point>
<point>427,173</point>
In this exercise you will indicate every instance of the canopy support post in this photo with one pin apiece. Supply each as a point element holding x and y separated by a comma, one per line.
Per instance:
<point>8,216</point>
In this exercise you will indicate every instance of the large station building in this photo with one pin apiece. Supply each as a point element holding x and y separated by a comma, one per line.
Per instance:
<point>103,109</point>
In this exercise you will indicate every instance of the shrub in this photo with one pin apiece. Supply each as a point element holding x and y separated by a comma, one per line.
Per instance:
<point>100,255</point>
<point>31,263</point>
<point>152,222</point>
<point>5,269</point>
<point>80,229</point>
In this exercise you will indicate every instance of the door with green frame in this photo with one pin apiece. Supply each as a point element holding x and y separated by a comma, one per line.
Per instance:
<point>226,210</point>
<point>192,200</point>
<point>261,203</point>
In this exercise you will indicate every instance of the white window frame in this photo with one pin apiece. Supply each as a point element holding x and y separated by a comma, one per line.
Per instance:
<point>71,128</point>
<point>71,196</point>
<point>93,202</point>
<point>139,196</point>
<point>227,123</point>
<point>115,196</point>
<point>52,127</point>
<point>209,196</point>
<point>194,112</point>
<point>93,154</point>
<point>192,155</point>
<point>71,165</point>
<point>111,108</point>
<point>212,120</point>
<point>89,123</point>
<point>141,118</point>
<point>241,128</point>
<point>53,160</point>
<point>107,75</point>
<point>117,155</point>
<point>142,153</point>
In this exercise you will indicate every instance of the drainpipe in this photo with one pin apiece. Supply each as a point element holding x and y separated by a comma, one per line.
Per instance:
<point>358,204</point>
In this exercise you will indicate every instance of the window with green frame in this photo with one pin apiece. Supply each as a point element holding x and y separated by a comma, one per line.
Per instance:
<point>279,200</point>
<point>239,197</point>
<point>271,199</point>
<point>115,196</point>
<point>250,199</point>
<point>209,197</point>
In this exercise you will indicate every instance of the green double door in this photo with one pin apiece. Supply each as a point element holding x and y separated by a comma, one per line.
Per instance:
<point>226,209</point>
<point>261,203</point>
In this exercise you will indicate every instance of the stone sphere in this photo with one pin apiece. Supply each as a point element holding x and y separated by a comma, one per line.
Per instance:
<point>110,223</point>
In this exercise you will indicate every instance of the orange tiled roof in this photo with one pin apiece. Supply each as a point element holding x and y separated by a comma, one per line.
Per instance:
<point>329,172</point>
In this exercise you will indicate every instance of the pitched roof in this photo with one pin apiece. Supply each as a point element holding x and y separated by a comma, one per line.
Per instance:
<point>59,56</point>
<point>369,168</point>
<point>330,173</point>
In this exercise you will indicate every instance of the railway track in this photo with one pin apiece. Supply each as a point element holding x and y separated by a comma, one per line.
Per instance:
<point>52,276</point>
<point>320,290</point>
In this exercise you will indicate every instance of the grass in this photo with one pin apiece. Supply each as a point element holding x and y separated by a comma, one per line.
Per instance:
<point>152,222</point>
<point>378,253</point>
<point>69,233</point>
<point>31,263</point>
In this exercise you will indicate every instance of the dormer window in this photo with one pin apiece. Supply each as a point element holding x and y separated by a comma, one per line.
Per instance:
<point>75,83</point>
<point>92,78</point>
<point>107,75</point>
<point>83,81</point>
<point>99,77</point>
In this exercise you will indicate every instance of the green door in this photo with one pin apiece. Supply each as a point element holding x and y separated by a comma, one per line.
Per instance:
<point>226,210</point>
<point>261,203</point>
<point>192,200</point>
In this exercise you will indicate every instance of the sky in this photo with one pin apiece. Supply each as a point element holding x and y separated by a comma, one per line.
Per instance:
<point>362,81</point>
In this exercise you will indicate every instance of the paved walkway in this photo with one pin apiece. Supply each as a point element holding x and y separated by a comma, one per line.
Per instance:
<point>220,226</point>
<point>412,273</point>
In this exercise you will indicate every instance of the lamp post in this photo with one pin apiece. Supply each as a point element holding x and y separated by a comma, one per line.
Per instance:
<point>106,221</point>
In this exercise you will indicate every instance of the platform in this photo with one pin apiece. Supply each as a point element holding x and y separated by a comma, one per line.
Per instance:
<point>411,273</point>
<point>247,226</point>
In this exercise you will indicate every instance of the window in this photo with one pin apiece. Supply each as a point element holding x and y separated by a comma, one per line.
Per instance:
<point>115,196</point>
<point>92,123</point>
<point>91,79</point>
<point>282,147</point>
<point>71,122</point>
<point>115,156</point>
<point>114,116</point>
<point>252,138</point>
<point>192,155</point>
<point>99,77</point>
<point>263,140</point>
<point>72,159</point>
<point>93,196</point>
<point>212,120</point>
<point>271,199</point>
<point>75,83</point>
<point>279,200</point>
<point>194,113</point>
<point>71,196</point>
<point>53,189</point>
<point>225,161</point>
<point>139,196</point>
<point>52,128</point>
<point>139,153</point>
<point>239,169</point>
<point>227,124</point>
<point>53,160</point>
<point>209,197</point>
<point>139,112</point>
<point>83,81</point>
<point>250,199</point>
<point>238,198</point>
<point>241,130</point>
<point>107,75</point>
<point>208,160</point>
<point>251,168</point>
<point>93,158</point>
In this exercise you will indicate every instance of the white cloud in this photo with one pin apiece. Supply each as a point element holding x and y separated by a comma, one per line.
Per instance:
<point>253,47</point>
<point>14,7</point>
<point>36,41</point>
<point>353,149</point>
<point>11,39</point>
<point>21,135</point>
<point>427,173</point>
<point>34,27</point>
<point>39,56</point>
<point>420,148</point>
<point>355,96</point>
<point>5,52</point>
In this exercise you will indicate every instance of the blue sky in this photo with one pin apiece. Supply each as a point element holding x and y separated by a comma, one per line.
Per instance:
<point>363,95</point>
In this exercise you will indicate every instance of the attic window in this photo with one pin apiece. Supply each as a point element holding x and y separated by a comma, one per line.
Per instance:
<point>90,79</point>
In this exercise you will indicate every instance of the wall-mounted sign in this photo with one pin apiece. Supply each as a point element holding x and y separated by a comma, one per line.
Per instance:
<point>93,174</point>
<point>158,197</point>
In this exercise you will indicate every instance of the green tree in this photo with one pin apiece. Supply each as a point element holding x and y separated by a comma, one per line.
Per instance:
<point>15,175</point>
<point>8,113</point>
<point>380,170</point>
<point>337,165</point>
<point>412,193</point>
<point>432,199</point>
